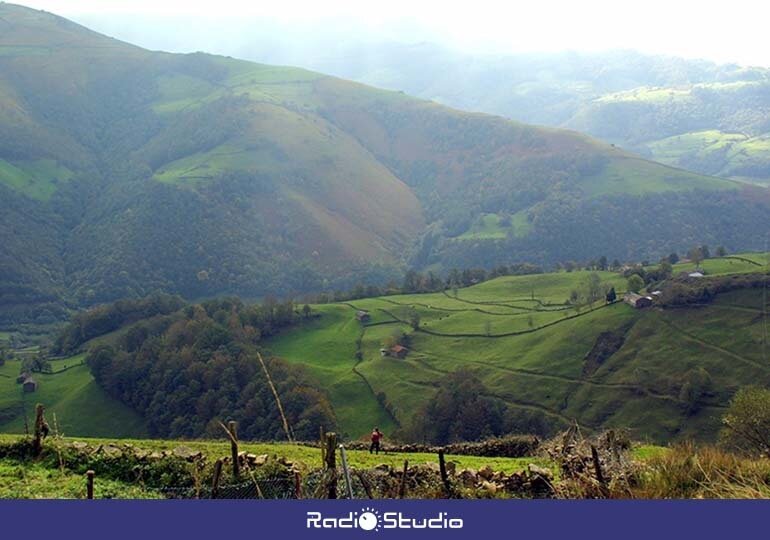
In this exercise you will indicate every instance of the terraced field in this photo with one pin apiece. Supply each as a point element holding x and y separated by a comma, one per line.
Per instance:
<point>531,351</point>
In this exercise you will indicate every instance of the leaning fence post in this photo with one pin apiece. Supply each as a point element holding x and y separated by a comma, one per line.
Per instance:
<point>331,463</point>
<point>442,470</point>
<point>215,480</point>
<point>366,484</point>
<point>402,487</point>
<point>297,485</point>
<point>89,485</point>
<point>348,484</point>
<point>231,427</point>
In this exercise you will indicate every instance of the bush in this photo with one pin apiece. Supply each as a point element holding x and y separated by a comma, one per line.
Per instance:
<point>747,421</point>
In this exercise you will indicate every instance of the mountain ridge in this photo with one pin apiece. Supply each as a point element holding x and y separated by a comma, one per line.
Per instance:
<point>125,171</point>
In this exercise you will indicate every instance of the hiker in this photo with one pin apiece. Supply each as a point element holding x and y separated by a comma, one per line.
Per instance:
<point>376,436</point>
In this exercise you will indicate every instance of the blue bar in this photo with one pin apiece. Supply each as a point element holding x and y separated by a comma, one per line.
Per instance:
<point>215,520</point>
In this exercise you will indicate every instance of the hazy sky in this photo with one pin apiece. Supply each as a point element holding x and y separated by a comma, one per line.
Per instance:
<point>732,31</point>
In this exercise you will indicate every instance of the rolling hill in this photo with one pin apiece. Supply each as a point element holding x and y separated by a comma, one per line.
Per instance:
<point>536,354</point>
<point>125,171</point>
<point>705,117</point>
<point>665,374</point>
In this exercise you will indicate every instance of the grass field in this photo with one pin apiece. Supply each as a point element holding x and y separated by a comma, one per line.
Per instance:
<point>34,481</point>
<point>730,153</point>
<point>619,176</point>
<point>732,264</point>
<point>80,405</point>
<point>37,179</point>
<point>309,457</point>
<point>529,349</point>
<point>516,333</point>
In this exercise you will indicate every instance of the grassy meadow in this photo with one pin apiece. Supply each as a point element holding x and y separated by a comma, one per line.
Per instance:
<point>518,334</point>
<point>80,406</point>
<point>530,348</point>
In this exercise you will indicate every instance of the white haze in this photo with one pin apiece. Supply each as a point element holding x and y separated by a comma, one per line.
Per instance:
<point>717,31</point>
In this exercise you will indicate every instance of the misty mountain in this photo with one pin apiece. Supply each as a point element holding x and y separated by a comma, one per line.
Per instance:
<point>124,171</point>
<point>695,114</point>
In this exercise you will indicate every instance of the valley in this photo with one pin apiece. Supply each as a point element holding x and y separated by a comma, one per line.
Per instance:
<point>664,374</point>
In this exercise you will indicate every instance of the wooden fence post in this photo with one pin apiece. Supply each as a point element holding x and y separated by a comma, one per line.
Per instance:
<point>215,480</point>
<point>322,440</point>
<point>90,485</point>
<point>232,428</point>
<point>331,463</point>
<point>297,485</point>
<point>37,442</point>
<point>366,484</point>
<point>402,487</point>
<point>442,470</point>
<point>597,465</point>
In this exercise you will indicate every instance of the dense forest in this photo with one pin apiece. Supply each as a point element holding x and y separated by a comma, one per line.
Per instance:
<point>463,410</point>
<point>186,371</point>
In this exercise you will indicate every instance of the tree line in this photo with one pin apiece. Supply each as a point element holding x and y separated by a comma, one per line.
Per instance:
<point>186,371</point>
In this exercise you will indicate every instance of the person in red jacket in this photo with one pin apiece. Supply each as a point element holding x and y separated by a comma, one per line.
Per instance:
<point>376,436</point>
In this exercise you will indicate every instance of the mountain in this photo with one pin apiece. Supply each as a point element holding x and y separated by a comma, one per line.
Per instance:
<point>709,118</point>
<point>124,171</point>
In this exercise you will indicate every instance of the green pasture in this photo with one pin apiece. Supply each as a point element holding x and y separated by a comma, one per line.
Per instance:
<point>80,406</point>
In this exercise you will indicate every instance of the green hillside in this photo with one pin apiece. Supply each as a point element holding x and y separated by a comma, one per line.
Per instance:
<point>81,407</point>
<point>132,171</point>
<point>531,351</point>
<point>694,114</point>
<point>666,374</point>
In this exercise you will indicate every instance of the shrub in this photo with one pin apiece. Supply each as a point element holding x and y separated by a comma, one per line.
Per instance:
<point>747,421</point>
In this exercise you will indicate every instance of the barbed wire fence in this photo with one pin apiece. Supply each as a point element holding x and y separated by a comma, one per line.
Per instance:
<point>242,479</point>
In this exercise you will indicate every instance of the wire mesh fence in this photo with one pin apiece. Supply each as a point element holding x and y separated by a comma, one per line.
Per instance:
<point>269,488</point>
<point>315,484</point>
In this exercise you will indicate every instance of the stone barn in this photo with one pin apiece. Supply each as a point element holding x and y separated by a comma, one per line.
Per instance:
<point>363,316</point>
<point>29,385</point>
<point>637,300</point>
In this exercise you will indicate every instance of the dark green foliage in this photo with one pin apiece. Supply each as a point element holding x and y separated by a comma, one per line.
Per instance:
<point>696,383</point>
<point>103,319</point>
<point>187,372</point>
<point>635,283</point>
<point>684,291</point>
<point>459,412</point>
<point>747,421</point>
<point>611,295</point>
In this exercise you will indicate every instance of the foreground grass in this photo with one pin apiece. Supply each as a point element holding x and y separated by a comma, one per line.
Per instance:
<point>34,481</point>
<point>308,457</point>
<point>689,472</point>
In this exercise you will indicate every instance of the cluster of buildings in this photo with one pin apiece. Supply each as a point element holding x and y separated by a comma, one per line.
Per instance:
<point>394,351</point>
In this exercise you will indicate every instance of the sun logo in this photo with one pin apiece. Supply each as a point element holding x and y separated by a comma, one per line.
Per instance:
<point>369,520</point>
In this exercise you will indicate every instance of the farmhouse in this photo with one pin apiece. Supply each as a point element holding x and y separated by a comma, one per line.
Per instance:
<point>396,351</point>
<point>29,385</point>
<point>637,300</point>
<point>22,377</point>
<point>363,316</point>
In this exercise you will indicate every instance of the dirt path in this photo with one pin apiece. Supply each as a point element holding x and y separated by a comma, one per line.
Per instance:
<point>696,339</point>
